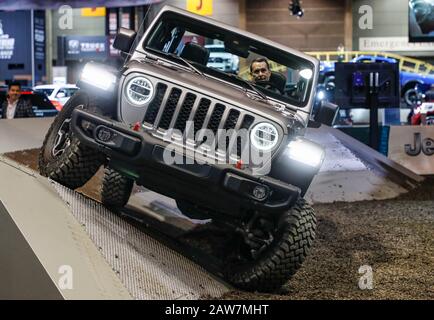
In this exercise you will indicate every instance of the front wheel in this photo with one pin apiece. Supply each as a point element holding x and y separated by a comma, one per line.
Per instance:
<point>63,157</point>
<point>269,252</point>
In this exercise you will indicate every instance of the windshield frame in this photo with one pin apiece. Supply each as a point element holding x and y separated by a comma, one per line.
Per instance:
<point>257,41</point>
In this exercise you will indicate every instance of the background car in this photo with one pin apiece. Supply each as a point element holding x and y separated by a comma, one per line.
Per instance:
<point>41,104</point>
<point>412,84</point>
<point>58,94</point>
<point>222,60</point>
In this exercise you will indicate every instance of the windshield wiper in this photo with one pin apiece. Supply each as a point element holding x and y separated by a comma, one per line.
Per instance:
<point>251,86</point>
<point>262,95</point>
<point>172,55</point>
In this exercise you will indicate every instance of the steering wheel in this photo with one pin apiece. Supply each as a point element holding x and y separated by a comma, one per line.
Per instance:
<point>269,86</point>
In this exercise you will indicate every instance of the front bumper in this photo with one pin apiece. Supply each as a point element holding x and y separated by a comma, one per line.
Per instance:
<point>140,155</point>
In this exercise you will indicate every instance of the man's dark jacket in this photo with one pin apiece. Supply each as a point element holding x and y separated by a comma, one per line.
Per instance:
<point>23,109</point>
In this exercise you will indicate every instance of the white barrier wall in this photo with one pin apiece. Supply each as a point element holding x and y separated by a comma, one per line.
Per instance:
<point>21,134</point>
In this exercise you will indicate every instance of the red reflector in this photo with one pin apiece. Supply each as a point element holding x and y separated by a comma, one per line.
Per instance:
<point>136,126</point>
<point>239,164</point>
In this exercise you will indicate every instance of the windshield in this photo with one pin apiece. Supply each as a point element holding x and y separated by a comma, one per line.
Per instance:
<point>222,54</point>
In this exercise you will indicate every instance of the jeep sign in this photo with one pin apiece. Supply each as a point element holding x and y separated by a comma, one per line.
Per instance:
<point>426,146</point>
<point>413,147</point>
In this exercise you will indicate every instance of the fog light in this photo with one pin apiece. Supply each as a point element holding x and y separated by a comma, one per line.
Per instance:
<point>104,135</point>
<point>260,192</point>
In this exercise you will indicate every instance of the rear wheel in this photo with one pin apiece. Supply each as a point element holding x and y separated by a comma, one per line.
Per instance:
<point>116,189</point>
<point>267,253</point>
<point>63,157</point>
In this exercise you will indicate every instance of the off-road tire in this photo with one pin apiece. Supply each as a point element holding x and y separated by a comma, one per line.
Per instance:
<point>116,189</point>
<point>78,163</point>
<point>294,237</point>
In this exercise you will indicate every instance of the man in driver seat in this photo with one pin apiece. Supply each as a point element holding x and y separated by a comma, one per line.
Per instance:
<point>264,77</point>
<point>260,70</point>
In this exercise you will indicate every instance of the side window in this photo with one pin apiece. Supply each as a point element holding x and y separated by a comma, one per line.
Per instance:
<point>61,93</point>
<point>160,37</point>
<point>173,42</point>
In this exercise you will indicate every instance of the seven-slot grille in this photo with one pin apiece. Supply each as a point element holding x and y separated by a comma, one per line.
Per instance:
<point>172,107</point>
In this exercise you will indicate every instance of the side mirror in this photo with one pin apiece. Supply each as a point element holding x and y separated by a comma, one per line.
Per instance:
<point>326,113</point>
<point>124,39</point>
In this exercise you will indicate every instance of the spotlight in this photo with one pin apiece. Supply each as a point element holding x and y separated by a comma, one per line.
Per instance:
<point>295,8</point>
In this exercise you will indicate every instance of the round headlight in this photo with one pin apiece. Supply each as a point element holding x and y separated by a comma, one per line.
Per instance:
<point>264,136</point>
<point>139,91</point>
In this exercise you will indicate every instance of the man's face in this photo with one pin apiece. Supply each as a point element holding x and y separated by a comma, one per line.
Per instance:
<point>14,93</point>
<point>260,72</point>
